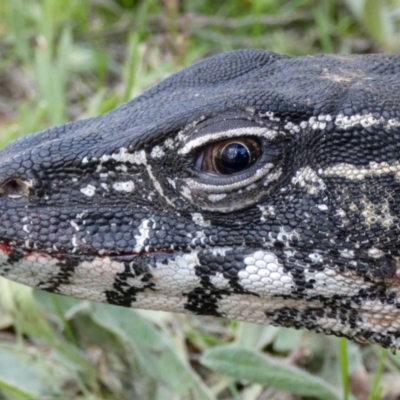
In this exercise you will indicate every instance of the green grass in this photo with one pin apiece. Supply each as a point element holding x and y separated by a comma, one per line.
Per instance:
<point>64,60</point>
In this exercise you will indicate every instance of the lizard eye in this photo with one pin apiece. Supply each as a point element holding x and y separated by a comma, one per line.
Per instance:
<point>228,156</point>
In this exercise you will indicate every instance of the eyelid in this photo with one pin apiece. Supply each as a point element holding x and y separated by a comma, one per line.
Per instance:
<point>263,133</point>
<point>219,187</point>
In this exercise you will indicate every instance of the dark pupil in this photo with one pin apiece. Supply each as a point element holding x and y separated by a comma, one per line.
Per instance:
<point>233,158</point>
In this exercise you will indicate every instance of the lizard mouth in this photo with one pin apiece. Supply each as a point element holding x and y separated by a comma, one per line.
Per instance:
<point>6,248</point>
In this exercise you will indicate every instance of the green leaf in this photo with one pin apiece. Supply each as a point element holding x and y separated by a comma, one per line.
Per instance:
<point>19,380</point>
<point>153,350</point>
<point>287,340</point>
<point>256,368</point>
<point>29,320</point>
<point>255,336</point>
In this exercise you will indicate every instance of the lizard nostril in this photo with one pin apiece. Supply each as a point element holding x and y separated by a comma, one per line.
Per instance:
<point>16,188</point>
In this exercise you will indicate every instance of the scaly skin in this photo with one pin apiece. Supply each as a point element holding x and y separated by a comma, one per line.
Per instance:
<point>128,208</point>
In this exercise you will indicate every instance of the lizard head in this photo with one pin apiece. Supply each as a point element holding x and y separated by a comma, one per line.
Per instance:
<point>251,185</point>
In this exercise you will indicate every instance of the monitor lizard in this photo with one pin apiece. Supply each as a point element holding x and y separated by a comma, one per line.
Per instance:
<point>251,185</point>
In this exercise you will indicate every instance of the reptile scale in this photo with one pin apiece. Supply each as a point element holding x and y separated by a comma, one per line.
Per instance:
<point>251,185</point>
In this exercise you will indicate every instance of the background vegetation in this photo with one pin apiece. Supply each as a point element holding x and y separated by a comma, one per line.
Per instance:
<point>64,60</point>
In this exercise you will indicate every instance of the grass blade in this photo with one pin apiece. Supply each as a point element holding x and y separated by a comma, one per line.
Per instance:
<point>344,366</point>
<point>376,389</point>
